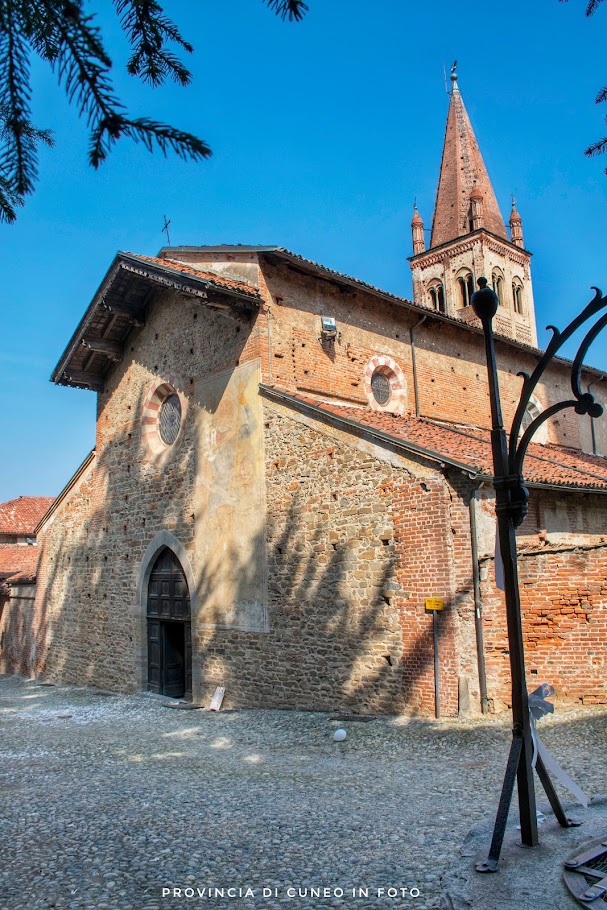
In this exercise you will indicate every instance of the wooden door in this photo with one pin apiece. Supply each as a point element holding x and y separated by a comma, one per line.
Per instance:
<point>173,663</point>
<point>169,628</point>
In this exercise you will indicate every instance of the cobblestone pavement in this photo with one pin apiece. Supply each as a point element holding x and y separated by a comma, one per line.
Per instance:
<point>108,800</point>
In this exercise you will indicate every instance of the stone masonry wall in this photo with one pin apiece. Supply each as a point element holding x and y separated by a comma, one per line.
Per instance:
<point>88,625</point>
<point>18,643</point>
<point>334,634</point>
<point>356,541</point>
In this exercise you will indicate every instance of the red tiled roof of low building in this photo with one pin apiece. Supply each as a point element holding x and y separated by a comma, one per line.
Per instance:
<point>18,560</point>
<point>20,516</point>
<point>471,446</point>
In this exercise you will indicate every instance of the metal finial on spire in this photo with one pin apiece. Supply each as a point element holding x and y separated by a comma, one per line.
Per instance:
<point>454,73</point>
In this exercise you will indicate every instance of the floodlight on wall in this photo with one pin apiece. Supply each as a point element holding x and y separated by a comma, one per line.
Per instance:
<point>328,329</point>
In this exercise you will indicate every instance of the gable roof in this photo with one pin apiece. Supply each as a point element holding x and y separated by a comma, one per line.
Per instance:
<point>20,516</point>
<point>465,448</point>
<point>120,305</point>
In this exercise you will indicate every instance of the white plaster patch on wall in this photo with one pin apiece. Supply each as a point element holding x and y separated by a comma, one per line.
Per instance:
<point>230,502</point>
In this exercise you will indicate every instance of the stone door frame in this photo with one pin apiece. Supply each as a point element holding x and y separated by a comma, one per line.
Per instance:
<point>161,540</point>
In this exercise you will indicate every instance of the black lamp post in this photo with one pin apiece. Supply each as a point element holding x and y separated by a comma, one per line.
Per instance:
<point>511,498</point>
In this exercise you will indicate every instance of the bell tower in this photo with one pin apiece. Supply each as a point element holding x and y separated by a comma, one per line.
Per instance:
<point>469,238</point>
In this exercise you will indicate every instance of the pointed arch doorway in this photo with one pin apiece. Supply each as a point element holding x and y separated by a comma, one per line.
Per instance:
<point>169,628</point>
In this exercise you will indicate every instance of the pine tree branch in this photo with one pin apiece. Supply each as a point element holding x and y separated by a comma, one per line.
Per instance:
<point>597,148</point>
<point>150,133</point>
<point>19,138</point>
<point>591,6</point>
<point>83,67</point>
<point>293,10</point>
<point>9,201</point>
<point>148,30</point>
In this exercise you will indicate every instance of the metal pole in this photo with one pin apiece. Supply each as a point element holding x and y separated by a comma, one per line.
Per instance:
<point>521,726</point>
<point>436,665</point>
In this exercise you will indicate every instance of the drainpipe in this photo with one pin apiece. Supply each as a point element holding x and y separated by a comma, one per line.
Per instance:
<point>589,386</point>
<point>268,318</point>
<point>413,363</point>
<point>478,608</point>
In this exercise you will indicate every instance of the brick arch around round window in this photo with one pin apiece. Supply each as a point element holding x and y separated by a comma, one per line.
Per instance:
<point>381,365</point>
<point>161,389</point>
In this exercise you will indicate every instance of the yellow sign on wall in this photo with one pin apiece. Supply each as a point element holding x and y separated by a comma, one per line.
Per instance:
<point>435,603</point>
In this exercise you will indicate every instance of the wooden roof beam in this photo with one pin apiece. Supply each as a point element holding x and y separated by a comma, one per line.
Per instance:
<point>126,313</point>
<point>110,349</point>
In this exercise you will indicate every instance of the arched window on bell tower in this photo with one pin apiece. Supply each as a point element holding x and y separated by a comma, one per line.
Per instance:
<point>465,286</point>
<point>436,293</point>
<point>517,295</point>
<point>497,280</point>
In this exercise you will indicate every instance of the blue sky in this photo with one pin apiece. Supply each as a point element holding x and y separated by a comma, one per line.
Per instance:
<point>323,133</point>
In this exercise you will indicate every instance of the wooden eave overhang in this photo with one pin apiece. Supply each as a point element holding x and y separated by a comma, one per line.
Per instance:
<point>120,306</point>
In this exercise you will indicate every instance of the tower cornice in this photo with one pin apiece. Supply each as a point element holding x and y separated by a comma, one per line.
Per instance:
<point>466,242</point>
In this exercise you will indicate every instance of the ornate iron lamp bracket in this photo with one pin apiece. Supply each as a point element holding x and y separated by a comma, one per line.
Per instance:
<point>582,402</point>
<point>511,497</point>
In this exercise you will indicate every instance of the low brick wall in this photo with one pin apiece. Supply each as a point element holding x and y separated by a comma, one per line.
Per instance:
<point>564,609</point>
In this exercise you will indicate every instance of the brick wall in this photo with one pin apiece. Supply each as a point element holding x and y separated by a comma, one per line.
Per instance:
<point>563,583</point>
<point>564,610</point>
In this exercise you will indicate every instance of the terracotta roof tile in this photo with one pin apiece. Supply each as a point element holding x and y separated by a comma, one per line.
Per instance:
<point>471,446</point>
<point>18,560</point>
<point>219,280</point>
<point>20,516</point>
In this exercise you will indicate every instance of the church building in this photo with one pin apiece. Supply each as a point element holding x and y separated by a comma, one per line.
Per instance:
<point>289,463</point>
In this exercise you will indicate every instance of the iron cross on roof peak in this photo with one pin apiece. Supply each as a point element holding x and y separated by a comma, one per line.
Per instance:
<point>166,228</point>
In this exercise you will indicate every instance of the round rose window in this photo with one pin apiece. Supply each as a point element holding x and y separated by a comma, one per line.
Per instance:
<point>169,420</point>
<point>380,386</point>
<point>385,385</point>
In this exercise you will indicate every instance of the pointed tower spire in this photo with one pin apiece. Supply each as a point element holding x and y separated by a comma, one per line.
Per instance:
<point>516,226</point>
<point>417,230</point>
<point>463,172</point>
<point>469,238</point>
